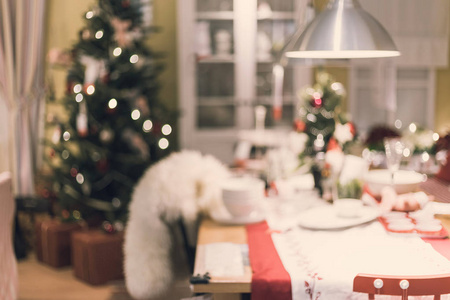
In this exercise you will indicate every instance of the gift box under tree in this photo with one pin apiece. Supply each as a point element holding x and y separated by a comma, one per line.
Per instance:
<point>53,242</point>
<point>97,257</point>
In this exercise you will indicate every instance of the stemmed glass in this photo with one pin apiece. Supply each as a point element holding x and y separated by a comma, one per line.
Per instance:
<point>394,152</point>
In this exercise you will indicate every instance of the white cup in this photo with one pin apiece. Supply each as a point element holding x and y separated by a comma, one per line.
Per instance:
<point>242,195</point>
<point>348,208</point>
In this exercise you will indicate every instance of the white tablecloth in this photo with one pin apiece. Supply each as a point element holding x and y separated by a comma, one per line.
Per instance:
<point>322,264</point>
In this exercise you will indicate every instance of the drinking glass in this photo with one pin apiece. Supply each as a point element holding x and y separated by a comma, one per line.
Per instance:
<point>394,152</point>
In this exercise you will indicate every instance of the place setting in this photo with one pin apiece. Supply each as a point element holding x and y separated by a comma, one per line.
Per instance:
<point>242,201</point>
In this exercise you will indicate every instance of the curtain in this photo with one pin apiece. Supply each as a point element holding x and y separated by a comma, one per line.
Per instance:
<point>22,85</point>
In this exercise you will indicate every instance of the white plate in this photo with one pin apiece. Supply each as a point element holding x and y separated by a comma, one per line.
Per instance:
<point>224,217</point>
<point>326,217</point>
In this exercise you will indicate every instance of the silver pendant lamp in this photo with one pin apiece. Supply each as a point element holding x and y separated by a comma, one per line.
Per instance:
<point>343,30</point>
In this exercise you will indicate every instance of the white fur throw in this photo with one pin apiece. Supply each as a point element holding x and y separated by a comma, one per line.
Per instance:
<point>179,186</point>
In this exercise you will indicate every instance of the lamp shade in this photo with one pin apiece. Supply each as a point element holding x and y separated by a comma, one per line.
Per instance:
<point>342,30</point>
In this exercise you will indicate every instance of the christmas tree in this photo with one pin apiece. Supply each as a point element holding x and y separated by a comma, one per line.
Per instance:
<point>116,124</point>
<point>321,116</point>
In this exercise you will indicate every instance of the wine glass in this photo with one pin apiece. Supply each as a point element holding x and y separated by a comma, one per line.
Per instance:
<point>394,152</point>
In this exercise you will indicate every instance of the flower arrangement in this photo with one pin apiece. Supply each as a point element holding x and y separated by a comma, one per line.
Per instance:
<point>419,139</point>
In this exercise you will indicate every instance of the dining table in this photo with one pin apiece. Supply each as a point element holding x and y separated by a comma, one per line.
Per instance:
<point>220,244</point>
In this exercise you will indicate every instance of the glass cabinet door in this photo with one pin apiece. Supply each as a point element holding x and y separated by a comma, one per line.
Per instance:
<point>276,22</point>
<point>215,69</point>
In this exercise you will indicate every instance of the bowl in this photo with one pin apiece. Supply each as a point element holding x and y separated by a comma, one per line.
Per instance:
<point>404,181</point>
<point>242,195</point>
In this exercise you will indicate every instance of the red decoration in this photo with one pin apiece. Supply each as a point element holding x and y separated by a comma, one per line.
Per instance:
<point>299,125</point>
<point>69,87</point>
<point>73,172</point>
<point>318,102</point>
<point>125,3</point>
<point>45,193</point>
<point>333,144</point>
<point>105,78</point>
<point>352,128</point>
<point>108,227</point>
<point>102,165</point>
<point>52,152</point>
<point>65,214</point>
<point>277,112</point>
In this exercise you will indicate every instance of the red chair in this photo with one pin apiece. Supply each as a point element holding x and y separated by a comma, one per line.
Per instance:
<point>404,286</point>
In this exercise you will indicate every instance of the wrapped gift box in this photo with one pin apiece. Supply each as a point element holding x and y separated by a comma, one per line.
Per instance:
<point>97,257</point>
<point>53,242</point>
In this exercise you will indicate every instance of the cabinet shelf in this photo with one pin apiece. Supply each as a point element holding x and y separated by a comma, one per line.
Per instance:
<point>276,15</point>
<point>268,100</point>
<point>216,101</point>
<point>215,15</point>
<point>216,60</point>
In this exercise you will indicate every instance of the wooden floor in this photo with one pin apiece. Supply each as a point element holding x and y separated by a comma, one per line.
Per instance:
<point>38,281</point>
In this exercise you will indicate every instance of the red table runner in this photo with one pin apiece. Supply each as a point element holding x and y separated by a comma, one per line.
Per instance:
<point>270,280</point>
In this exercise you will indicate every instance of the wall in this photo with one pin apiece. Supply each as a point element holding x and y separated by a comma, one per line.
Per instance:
<point>442,105</point>
<point>66,18</point>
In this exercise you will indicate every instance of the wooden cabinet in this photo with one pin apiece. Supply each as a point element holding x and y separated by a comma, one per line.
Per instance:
<point>226,54</point>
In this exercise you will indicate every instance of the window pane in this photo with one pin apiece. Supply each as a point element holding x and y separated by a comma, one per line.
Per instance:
<point>216,116</point>
<point>368,111</point>
<point>412,106</point>
<point>215,79</point>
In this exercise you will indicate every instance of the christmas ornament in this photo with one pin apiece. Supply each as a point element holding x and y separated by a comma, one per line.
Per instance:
<point>86,188</point>
<point>299,125</point>
<point>136,143</point>
<point>69,87</point>
<point>142,104</point>
<point>121,32</point>
<point>45,193</point>
<point>82,120</point>
<point>116,202</point>
<point>108,227</point>
<point>73,172</point>
<point>94,69</point>
<point>118,225</point>
<point>65,214</point>
<point>86,34</point>
<point>102,165</point>
<point>106,135</point>
<point>56,136</point>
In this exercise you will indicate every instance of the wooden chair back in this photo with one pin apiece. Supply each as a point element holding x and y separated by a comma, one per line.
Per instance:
<point>404,286</point>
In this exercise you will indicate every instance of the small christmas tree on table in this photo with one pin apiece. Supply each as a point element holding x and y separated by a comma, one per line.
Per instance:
<point>321,116</point>
<point>117,126</point>
<point>326,125</point>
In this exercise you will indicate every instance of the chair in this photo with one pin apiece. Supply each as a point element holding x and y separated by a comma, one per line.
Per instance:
<point>403,286</point>
<point>8,264</point>
<point>170,196</point>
